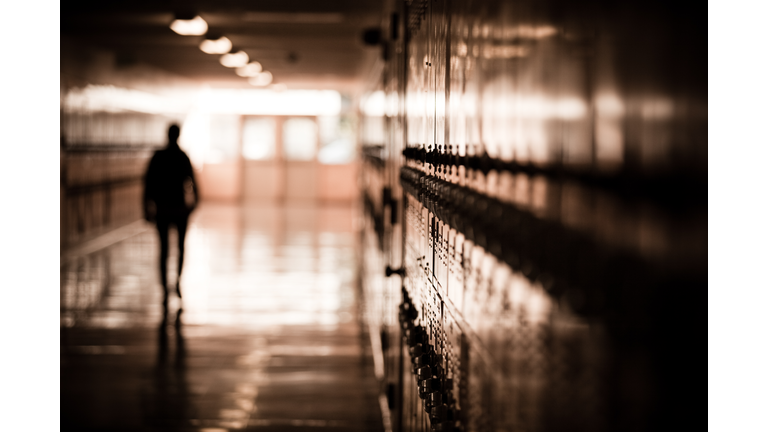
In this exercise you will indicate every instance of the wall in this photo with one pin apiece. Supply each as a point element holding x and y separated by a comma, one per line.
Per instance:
<point>113,116</point>
<point>330,175</point>
<point>535,187</point>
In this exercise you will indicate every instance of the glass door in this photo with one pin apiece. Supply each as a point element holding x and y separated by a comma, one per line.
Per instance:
<point>299,145</point>
<point>279,156</point>
<point>263,177</point>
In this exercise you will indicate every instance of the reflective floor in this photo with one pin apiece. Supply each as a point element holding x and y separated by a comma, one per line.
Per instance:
<point>266,337</point>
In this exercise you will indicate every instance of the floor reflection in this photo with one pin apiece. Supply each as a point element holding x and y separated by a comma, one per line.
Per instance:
<point>266,337</point>
<point>170,398</point>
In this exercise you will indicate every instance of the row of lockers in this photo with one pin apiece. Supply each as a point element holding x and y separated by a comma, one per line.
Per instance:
<point>107,129</point>
<point>87,168</point>
<point>100,189</point>
<point>535,244</point>
<point>85,212</point>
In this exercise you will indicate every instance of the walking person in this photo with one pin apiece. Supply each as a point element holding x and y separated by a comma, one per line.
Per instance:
<point>170,195</point>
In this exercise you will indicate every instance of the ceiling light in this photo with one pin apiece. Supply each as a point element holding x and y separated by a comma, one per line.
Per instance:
<point>261,80</point>
<point>221,45</point>
<point>233,60</point>
<point>250,70</point>
<point>190,27</point>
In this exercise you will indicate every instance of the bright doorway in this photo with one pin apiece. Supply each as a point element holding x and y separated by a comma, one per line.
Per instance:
<point>298,158</point>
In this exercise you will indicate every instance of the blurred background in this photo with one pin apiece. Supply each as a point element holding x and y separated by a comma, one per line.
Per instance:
<point>415,215</point>
<point>279,122</point>
<point>272,335</point>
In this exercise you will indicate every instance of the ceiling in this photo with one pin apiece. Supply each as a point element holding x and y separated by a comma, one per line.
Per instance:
<point>303,43</point>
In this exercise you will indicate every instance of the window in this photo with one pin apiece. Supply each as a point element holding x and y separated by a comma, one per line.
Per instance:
<point>224,138</point>
<point>337,140</point>
<point>259,138</point>
<point>299,139</point>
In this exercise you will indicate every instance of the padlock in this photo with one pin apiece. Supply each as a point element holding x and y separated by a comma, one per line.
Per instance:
<point>437,369</point>
<point>431,384</point>
<point>407,333</point>
<point>419,362</point>
<point>438,413</point>
<point>448,384</point>
<point>426,359</point>
<point>424,395</point>
<point>442,427</point>
<point>427,402</point>
<point>435,398</point>
<point>412,313</point>
<point>416,350</point>
<point>416,335</point>
<point>424,373</point>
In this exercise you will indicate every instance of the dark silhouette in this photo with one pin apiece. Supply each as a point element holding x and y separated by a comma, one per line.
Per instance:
<point>170,195</point>
<point>169,400</point>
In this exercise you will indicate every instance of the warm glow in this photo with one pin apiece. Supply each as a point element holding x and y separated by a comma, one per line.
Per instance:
<point>570,108</point>
<point>299,139</point>
<point>534,32</point>
<point>250,70</point>
<point>233,60</point>
<point>108,98</point>
<point>221,45</point>
<point>656,108</point>
<point>197,136</point>
<point>269,102</point>
<point>609,128</point>
<point>505,51</point>
<point>374,104</point>
<point>258,137</point>
<point>194,27</point>
<point>262,79</point>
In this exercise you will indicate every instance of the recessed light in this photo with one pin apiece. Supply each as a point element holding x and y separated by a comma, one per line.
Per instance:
<point>261,80</point>
<point>250,70</point>
<point>221,45</point>
<point>190,27</point>
<point>233,60</point>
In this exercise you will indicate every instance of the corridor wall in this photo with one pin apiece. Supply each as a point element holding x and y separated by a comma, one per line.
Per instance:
<point>535,189</point>
<point>113,114</point>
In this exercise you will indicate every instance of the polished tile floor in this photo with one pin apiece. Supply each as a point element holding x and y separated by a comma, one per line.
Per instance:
<point>267,336</point>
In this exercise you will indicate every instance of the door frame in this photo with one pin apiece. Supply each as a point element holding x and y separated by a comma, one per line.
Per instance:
<point>279,160</point>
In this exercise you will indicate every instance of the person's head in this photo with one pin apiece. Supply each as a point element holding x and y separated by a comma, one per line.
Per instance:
<point>173,134</point>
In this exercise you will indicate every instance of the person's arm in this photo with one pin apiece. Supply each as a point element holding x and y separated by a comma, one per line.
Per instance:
<point>194,190</point>
<point>191,175</point>
<point>148,201</point>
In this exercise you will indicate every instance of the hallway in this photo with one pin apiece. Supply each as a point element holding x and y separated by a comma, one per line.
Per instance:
<point>269,337</point>
<point>524,245</point>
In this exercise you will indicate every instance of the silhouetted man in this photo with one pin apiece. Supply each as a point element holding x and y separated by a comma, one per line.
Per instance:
<point>170,195</point>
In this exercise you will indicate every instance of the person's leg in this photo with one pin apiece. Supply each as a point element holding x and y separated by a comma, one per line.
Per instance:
<point>181,227</point>
<point>162,230</point>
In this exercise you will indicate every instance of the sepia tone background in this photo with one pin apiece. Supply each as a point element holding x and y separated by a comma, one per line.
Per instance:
<point>438,215</point>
